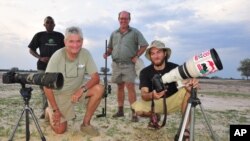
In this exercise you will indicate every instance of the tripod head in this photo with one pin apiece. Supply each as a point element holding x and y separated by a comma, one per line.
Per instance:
<point>26,92</point>
<point>193,98</point>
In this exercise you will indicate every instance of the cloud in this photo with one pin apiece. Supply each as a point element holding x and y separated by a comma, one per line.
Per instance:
<point>187,27</point>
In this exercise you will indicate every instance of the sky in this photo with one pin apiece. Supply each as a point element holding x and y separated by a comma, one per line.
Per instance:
<point>188,27</point>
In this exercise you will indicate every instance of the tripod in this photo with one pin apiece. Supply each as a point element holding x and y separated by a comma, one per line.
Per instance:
<point>192,102</point>
<point>106,92</point>
<point>107,88</point>
<point>26,93</point>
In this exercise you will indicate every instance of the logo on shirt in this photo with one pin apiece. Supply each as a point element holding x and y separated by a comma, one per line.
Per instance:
<point>80,66</point>
<point>51,42</point>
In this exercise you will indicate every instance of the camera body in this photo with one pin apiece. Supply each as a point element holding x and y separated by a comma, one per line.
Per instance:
<point>9,77</point>
<point>157,83</point>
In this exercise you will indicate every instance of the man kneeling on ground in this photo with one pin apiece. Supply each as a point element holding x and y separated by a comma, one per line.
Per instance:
<point>176,99</point>
<point>73,62</point>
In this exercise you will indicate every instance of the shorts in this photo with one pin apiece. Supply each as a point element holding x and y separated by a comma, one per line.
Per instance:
<point>123,72</point>
<point>66,107</point>
<point>174,103</point>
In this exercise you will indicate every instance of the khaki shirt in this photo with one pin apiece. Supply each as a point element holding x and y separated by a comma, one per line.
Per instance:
<point>125,45</point>
<point>73,73</point>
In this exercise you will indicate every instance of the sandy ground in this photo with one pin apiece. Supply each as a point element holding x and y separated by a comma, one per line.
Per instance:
<point>225,102</point>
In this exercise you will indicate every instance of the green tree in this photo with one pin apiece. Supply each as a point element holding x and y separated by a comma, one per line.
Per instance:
<point>245,67</point>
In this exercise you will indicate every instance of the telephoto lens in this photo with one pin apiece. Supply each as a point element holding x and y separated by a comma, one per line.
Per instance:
<point>50,80</point>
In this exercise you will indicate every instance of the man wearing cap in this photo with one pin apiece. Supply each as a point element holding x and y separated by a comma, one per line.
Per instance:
<point>176,99</point>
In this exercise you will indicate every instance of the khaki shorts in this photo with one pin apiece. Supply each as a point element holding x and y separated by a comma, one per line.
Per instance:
<point>123,72</point>
<point>174,103</point>
<point>66,107</point>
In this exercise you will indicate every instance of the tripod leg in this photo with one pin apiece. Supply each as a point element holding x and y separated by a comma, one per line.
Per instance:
<point>36,123</point>
<point>105,106</point>
<point>192,123</point>
<point>208,124</point>
<point>27,124</point>
<point>184,122</point>
<point>13,133</point>
<point>103,114</point>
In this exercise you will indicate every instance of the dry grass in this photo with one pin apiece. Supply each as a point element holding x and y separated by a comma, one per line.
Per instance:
<point>225,102</point>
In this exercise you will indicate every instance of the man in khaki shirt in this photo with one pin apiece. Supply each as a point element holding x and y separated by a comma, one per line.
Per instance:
<point>126,45</point>
<point>73,62</point>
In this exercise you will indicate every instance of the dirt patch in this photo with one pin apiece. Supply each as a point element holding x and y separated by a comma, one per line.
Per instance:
<point>225,102</point>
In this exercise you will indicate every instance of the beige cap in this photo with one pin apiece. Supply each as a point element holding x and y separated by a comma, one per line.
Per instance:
<point>159,45</point>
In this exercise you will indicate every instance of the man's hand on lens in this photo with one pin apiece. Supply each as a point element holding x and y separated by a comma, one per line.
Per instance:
<point>189,83</point>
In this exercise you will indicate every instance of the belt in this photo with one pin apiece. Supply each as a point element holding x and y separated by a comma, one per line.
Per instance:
<point>122,62</point>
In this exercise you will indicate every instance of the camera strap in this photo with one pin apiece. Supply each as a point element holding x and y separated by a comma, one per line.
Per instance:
<point>154,118</point>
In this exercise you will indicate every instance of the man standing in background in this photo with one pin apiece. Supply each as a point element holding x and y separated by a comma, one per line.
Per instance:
<point>126,45</point>
<point>47,42</point>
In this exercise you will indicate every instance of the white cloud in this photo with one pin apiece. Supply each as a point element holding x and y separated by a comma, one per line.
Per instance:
<point>220,11</point>
<point>166,25</point>
<point>187,27</point>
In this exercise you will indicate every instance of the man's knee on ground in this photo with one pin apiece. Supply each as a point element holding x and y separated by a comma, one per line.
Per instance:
<point>60,129</point>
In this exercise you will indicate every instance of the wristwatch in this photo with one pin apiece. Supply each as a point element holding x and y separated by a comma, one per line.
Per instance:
<point>84,88</point>
<point>54,110</point>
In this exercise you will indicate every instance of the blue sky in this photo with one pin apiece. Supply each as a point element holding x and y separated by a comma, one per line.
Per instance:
<point>188,27</point>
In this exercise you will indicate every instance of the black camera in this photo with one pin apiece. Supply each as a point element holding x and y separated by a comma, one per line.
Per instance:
<point>157,83</point>
<point>50,80</point>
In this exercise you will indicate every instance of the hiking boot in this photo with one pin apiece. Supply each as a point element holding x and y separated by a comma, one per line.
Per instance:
<point>90,130</point>
<point>118,114</point>
<point>42,116</point>
<point>158,117</point>
<point>134,118</point>
<point>154,121</point>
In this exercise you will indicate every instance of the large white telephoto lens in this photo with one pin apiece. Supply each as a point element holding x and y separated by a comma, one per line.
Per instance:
<point>200,65</point>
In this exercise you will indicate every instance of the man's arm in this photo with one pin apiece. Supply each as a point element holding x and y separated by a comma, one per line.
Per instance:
<point>139,53</point>
<point>94,80</point>
<point>189,83</point>
<point>50,96</point>
<point>146,95</point>
<point>57,114</point>
<point>141,50</point>
<point>35,54</point>
<point>106,54</point>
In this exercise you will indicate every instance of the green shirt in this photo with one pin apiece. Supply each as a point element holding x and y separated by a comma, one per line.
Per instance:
<point>125,45</point>
<point>73,71</point>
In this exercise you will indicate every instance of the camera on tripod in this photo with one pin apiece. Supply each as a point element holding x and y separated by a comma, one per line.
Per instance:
<point>202,64</point>
<point>50,80</point>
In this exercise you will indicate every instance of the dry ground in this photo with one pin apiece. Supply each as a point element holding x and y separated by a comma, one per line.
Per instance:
<point>225,102</point>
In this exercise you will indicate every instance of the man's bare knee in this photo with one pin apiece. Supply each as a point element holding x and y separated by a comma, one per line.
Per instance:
<point>96,90</point>
<point>60,129</point>
<point>143,114</point>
